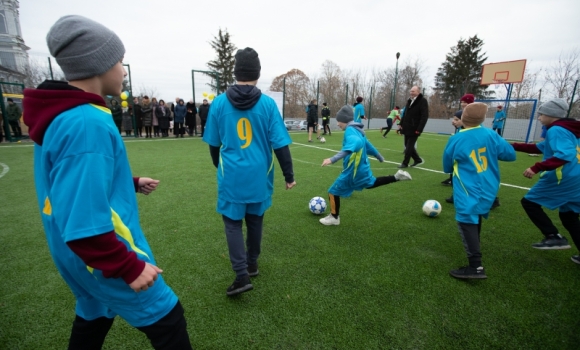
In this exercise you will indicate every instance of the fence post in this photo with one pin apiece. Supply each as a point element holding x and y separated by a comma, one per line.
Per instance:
<point>346,97</point>
<point>370,109</point>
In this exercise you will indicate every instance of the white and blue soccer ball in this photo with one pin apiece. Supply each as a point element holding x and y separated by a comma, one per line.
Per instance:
<point>431,208</point>
<point>317,205</point>
<point>322,139</point>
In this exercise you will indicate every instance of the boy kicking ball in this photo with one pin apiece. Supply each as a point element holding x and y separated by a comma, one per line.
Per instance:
<point>559,183</point>
<point>356,173</point>
<point>472,156</point>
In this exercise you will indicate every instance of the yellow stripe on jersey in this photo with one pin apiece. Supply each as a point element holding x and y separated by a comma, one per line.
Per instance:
<point>355,157</point>
<point>559,174</point>
<point>47,207</point>
<point>456,172</point>
<point>101,108</point>
<point>125,233</point>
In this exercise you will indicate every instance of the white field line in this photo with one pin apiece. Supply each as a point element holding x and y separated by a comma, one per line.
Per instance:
<point>5,169</point>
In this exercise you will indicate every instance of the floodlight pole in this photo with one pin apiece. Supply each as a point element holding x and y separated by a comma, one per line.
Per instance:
<point>50,68</point>
<point>284,98</point>
<point>507,105</point>
<point>396,76</point>
<point>572,99</point>
<point>130,98</point>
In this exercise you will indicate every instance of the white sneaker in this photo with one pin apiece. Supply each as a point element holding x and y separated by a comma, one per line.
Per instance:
<point>402,175</point>
<point>330,220</point>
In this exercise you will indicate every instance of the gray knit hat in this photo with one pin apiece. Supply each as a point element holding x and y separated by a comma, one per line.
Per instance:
<point>345,114</point>
<point>556,108</point>
<point>83,48</point>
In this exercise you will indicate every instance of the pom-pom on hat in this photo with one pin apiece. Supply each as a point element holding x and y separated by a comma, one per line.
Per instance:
<point>467,98</point>
<point>345,114</point>
<point>247,66</point>
<point>474,114</point>
<point>500,107</point>
<point>556,108</point>
<point>83,48</point>
<point>359,99</point>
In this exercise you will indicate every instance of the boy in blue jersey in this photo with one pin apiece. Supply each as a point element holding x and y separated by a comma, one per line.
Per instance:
<point>86,193</point>
<point>472,156</point>
<point>356,173</point>
<point>559,183</point>
<point>498,120</point>
<point>359,110</point>
<point>244,129</point>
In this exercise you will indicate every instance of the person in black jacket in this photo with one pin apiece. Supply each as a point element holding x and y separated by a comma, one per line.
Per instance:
<point>190,118</point>
<point>325,113</point>
<point>312,119</point>
<point>203,113</point>
<point>416,115</point>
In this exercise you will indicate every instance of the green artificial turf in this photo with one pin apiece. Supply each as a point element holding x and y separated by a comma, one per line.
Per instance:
<point>378,281</point>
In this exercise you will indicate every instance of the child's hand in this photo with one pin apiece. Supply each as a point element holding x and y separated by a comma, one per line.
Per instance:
<point>147,185</point>
<point>326,162</point>
<point>146,279</point>
<point>529,173</point>
<point>289,185</point>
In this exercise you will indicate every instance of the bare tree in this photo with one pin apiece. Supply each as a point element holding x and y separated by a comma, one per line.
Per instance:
<point>39,71</point>
<point>562,74</point>
<point>298,92</point>
<point>331,86</point>
<point>147,91</point>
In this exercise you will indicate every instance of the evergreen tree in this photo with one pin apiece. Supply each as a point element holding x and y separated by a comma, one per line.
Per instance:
<point>461,72</point>
<point>223,64</point>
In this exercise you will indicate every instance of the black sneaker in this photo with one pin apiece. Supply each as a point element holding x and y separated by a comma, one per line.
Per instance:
<point>402,166</point>
<point>240,285</point>
<point>552,242</point>
<point>576,259</point>
<point>468,272</point>
<point>495,203</point>
<point>253,270</point>
<point>418,163</point>
<point>449,200</point>
<point>446,182</point>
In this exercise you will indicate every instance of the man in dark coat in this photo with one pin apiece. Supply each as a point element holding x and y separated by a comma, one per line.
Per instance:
<point>190,118</point>
<point>312,119</point>
<point>203,113</point>
<point>413,123</point>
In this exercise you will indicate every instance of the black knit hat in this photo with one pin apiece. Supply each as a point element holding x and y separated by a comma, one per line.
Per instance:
<point>247,67</point>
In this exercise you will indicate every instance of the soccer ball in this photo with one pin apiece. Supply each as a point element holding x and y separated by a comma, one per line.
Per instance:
<point>431,208</point>
<point>322,139</point>
<point>317,205</point>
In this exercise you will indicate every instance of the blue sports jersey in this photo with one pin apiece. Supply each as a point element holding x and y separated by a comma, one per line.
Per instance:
<point>498,119</point>
<point>472,156</point>
<point>246,139</point>
<point>85,188</point>
<point>356,172</point>
<point>559,188</point>
<point>359,111</point>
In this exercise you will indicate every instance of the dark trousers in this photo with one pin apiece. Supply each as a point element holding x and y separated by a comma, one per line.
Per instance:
<point>389,126</point>
<point>203,125</point>
<point>470,235</point>
<point>168,333</point>
<point>326,127</point>
<point>569,220</point>
<point>156,130</point>
<point>335,200</point>
<point>242,255</point>
<point>178,129</point>
<point>147,131</point>
<point>15,125</point>
<point>410,151</point>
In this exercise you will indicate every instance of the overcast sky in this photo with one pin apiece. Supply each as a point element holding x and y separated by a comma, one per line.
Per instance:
<point>165,39</point>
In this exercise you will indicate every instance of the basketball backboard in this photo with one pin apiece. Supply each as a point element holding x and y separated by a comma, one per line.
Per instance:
<point>503,72</point>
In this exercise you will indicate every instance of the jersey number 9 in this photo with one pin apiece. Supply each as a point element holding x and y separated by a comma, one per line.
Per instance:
<point>245,132</point>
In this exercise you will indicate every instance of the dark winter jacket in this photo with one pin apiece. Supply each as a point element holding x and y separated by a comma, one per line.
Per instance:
<point>138,115</point>
<point>117,113</point>
<point>147,114</point>
<point>179,113</point>
<point>191,112</point>
<point>416,116</point>
<point>13,112</point>
<point>127,119</point>
<point>163,119</point>
<point>312,114</point>
<point>203,111</point>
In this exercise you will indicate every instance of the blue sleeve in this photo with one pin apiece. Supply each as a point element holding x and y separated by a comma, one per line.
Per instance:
<point>448,156</point>
<point>563,143</point>
<point>371,150</point>
<point>505,151</point>
<point>352,142</point>
<point>278,134</point>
